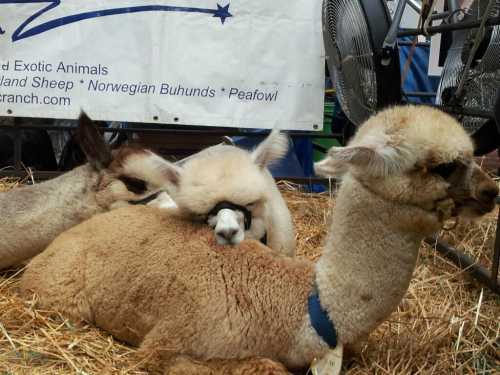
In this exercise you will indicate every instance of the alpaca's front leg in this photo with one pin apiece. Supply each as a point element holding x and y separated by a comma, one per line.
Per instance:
<point>183,365</point>
<point>167,340</point>
<point>165,350</point>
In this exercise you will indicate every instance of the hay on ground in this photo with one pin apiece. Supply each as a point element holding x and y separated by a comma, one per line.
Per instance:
<point>447,324</point>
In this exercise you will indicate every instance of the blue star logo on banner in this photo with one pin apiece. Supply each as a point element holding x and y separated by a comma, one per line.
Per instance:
<point>222,12</point>
<point>23,31</point>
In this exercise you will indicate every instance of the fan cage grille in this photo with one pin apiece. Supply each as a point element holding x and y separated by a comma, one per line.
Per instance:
<point>483,79</point>
<point>355,77</point>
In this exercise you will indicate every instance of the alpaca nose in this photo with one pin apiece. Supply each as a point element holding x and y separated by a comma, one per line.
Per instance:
<point>486,189</point>
<point>228,233</point>
<point>488,193</point>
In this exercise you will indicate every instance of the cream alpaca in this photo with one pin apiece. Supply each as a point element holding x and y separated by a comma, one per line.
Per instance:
<point>32,216</point>
<point>165,285</point>
<point>229,174</point>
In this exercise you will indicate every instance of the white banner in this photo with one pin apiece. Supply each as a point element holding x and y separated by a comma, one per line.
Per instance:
<point>236,63</point>
<point>436,57</point>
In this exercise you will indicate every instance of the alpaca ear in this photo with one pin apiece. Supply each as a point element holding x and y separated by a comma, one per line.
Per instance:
<point>92,143</point>
<point>273,148</point>
<point>365,158</point>
<point>169,172</point>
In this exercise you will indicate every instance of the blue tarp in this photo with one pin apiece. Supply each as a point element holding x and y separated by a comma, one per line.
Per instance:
<point>298,161</point>
<point>417,78</point>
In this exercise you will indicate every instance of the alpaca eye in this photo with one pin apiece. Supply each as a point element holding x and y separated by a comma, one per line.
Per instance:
<point>135,185</point>
<point>444,170</point>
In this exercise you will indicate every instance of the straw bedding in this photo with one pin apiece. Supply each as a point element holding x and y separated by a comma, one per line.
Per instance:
<point>447,324</point>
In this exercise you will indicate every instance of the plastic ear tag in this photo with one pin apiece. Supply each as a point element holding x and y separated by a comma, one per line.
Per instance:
<point>330,364</point>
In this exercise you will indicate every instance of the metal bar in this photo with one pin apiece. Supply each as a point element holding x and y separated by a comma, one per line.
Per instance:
<point>453,6</point>
<point>420,94</point>
<point>320,148</point>
<point>390,39</point>
<point>46,175</point>
<point>473,112</point>
<point>464,261</point>
<point>449,27</point>
<point>496,253</point>
<point>221,133</point>
<point>18,147</point>
<point>415,5</point>
<point>307,180</point>
<point>410,43</point>
<point>440,16</point>
<point>392,34</point>
<point>496,110</point>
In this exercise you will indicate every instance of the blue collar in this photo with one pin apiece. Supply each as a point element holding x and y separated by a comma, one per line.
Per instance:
<point>320,321</point>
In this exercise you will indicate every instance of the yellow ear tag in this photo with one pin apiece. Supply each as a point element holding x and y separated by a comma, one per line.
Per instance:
<point>330,364</point>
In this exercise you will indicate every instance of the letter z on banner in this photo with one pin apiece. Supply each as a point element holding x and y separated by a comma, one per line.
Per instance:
<point>235,63</point>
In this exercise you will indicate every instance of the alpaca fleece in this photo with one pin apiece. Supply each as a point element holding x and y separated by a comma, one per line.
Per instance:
<point>175,291</point>
<point>38,215</point>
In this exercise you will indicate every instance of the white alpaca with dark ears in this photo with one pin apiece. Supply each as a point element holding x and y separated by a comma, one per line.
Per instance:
<point>254,207</point>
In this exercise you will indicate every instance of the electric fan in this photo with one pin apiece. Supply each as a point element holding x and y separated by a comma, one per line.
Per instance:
<point>353,44</point>
<point>472,82</point>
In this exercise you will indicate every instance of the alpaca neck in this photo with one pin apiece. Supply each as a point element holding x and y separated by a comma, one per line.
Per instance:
<point>368,260</point>
<point>70,196</point>
<point>41,212</point>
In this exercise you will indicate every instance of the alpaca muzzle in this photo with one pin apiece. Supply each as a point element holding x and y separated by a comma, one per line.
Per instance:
<point>228,229</point>
<point>475,196</point>
<point>235,207</point>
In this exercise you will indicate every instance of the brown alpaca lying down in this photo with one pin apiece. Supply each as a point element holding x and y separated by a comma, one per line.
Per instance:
<point>163,283</point>
<point>128,284</point>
